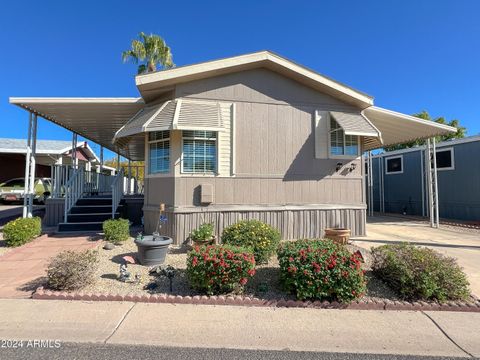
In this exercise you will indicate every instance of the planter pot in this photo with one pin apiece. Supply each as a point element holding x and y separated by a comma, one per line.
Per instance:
<point>338,235</point>
<point>152,250</point>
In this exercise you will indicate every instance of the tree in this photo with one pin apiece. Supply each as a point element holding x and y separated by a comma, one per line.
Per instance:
<point>461,132</point>
<point>151,50</point>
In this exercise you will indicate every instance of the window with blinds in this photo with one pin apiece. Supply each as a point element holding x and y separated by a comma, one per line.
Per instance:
<point>159,152</point>
<point>341,144</point>
<point>199,151</point>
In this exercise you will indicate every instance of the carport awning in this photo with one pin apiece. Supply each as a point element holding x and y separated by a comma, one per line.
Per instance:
<point>96,119</point>
<point>179,114</point>
<point>396,128</point>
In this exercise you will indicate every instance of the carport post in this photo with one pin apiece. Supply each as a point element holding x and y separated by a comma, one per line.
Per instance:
<point>101,159</point>
<point>129,177</point>
<point>31,183</point>
<point>435,183</point>
<point>370,184</point>
<point>118,162</point>
<point>74,151</point>
<point>27,165</point>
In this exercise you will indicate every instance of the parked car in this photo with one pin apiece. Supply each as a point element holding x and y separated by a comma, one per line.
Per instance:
<point>13,190</point>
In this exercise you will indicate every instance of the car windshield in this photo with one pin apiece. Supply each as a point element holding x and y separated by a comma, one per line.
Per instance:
<point>14,183</point>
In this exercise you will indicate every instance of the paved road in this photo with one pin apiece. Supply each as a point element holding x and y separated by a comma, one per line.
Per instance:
<point>107,351</point>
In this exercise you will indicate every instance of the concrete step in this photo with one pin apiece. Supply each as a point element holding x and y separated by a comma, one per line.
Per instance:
<point>88,209</point>
<point>90,217</point>
<point>80,226</point>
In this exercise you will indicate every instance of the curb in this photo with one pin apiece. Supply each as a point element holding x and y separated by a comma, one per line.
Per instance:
<point>239,300</point>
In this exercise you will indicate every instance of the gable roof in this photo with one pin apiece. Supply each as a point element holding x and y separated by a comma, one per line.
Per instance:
<point>153,85</point>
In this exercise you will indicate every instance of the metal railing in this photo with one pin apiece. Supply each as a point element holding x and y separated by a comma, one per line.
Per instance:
<point>117,191</point>
<point>97,183</point>
<point>74,189</point>
<point>60,176</point>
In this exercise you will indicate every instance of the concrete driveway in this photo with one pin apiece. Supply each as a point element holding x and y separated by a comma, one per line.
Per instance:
<point>460,243</point>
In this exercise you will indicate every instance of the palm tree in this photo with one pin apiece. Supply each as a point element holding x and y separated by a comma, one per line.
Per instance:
<point>151,49</point>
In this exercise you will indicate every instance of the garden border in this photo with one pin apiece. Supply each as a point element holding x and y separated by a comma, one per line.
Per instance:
<point>239,300</point>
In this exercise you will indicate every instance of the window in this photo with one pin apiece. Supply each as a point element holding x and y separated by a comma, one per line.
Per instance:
<point>394,165</point>
<point>341,144</point>
<point>445,159</point>
<point>199,151</point>
<point>159,152</point>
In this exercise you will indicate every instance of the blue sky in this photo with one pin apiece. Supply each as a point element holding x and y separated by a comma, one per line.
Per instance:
<point>411,55</point>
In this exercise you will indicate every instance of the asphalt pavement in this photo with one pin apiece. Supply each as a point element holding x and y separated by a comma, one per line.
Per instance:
<point>67,351</point>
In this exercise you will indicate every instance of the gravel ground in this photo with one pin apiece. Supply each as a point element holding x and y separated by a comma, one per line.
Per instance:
<point>265,284</point>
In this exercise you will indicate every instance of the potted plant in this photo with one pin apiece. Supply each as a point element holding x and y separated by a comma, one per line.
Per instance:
<point>203,235</point>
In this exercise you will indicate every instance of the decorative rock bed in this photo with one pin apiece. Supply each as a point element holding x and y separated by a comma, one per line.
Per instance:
<point>264,289</point>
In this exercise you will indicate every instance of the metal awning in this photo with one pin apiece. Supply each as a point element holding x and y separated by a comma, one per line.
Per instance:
<point>179,114</point>
<point>96,119</point>
<point>358,125</point>
<point>396,128</point>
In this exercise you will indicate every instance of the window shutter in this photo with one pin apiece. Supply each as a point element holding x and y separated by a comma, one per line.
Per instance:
<point>321,134</point>
<point>224,142</point>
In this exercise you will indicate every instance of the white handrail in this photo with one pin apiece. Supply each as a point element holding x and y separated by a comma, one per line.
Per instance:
<point>74,189</point>
<point>117,191</point>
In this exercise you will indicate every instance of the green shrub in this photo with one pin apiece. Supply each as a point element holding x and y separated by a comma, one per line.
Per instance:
<point>320,269</point>
<point>260,237</point>
<point>419,273</point>
<point>72,270</point>
<point>116,230</point>
<point>203,233</point>
<point>22,230</point>
<point>216,269</point>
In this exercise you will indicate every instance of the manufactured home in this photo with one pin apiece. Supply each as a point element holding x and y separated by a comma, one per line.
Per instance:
<point>400,183</point>
<point>251,136</point>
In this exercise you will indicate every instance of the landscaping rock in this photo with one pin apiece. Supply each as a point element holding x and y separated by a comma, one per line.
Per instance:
<point>108,246</point>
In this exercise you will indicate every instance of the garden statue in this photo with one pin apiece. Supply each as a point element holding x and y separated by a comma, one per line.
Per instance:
<point>124,274</point>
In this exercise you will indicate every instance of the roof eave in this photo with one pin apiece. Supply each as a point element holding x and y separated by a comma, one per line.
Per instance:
<point>169,77</point>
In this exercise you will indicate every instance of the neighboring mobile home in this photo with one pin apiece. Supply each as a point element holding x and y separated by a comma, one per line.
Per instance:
<point>399,181</point>
<point>252,136</point>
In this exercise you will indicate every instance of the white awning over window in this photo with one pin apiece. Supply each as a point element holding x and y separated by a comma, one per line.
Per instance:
<point>179,114</point>
<point>354,124</point>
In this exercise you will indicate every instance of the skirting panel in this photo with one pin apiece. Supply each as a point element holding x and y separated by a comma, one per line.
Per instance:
<point>54,211</point>
<point>293,224</point>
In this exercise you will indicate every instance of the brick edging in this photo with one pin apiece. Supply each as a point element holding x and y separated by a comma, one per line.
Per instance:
<point>239,300</point>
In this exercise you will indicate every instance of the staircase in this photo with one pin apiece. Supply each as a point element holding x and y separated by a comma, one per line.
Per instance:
<point>84,209</point>
<point>89,213</point>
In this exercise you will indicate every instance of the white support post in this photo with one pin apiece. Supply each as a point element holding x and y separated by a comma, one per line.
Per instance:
<point>101,159</point>
<point>370,184</point>
<point>27,166</point>
<point>31,183</point>
<point>428,170</point>
<point>435,183</point>
<point>129,177</point>
<point>74,151</point>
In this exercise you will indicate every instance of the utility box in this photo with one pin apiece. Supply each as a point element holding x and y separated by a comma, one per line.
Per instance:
<point>206,193</point>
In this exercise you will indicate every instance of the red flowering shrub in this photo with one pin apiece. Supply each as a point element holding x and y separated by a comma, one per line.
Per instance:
<point>321,269</point>
<point>216,269</point>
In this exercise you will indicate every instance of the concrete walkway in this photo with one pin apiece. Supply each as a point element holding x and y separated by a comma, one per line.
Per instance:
<point>22,269</point>
<point>462,244</point>
<point>351,331</point>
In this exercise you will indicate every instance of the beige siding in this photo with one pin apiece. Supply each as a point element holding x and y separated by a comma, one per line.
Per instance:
<point>159,190</point>
<point>271,191</point>
<point>258,85</point>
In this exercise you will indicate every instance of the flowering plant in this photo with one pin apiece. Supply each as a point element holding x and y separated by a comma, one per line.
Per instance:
<point>321,269</point>
<point>216,269</point>
<point>260,237</point>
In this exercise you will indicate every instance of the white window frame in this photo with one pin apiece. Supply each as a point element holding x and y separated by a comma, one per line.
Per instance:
<point>215,171</point>
<point>149,142</point>
<point>344,156</point>
<point>393,172</point>
<point>452,157</point>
